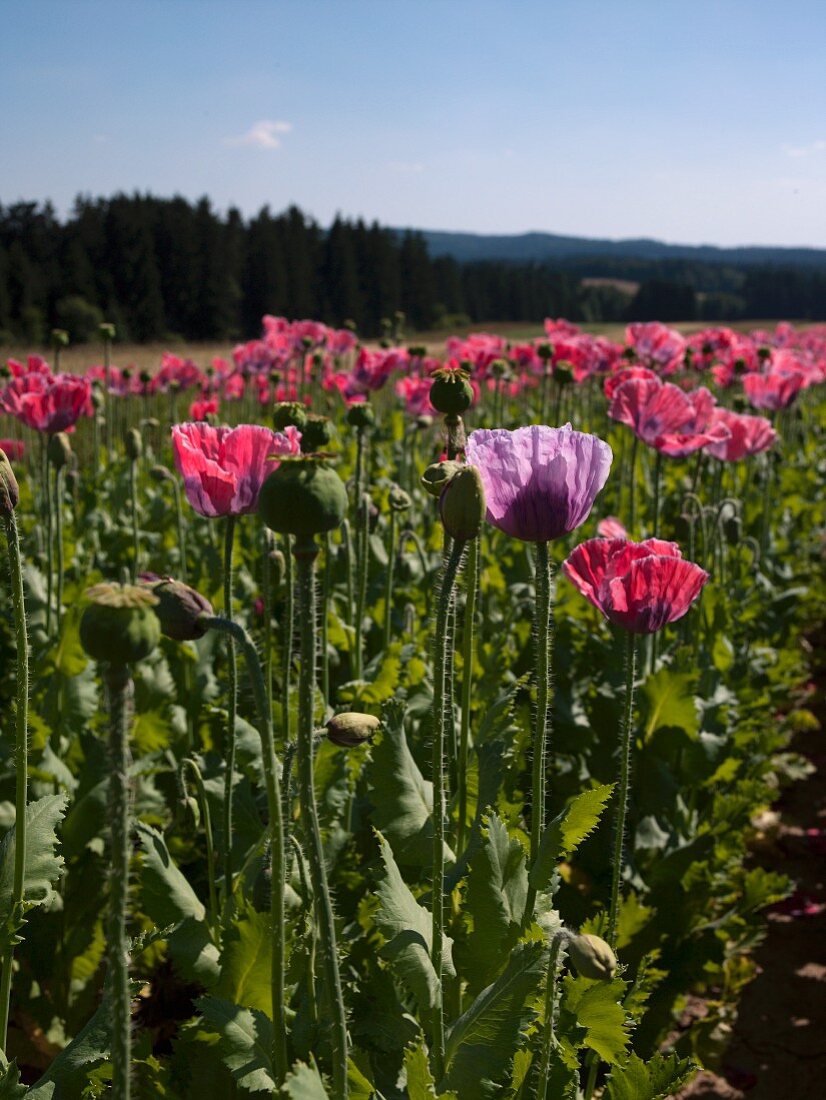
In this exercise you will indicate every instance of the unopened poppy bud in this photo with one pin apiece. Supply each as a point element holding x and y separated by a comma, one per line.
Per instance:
<point>278,568</point>
<point>437,475</point>
<point>545,352</point>
<point>350,325</point>
<point>361,415</point>
<point>106,330</point>
<point>316,434</point>
<point>9,491</point>
<point>591,957</point>
<point>60,338</point>
<point>144,377</point>
<point>424,422</point>
<point>303,497</point>
<point>499,368</point>
<point>188,813</point>
<point>351,729</point>
<point>161,473</point>
<point>451,392</point>
<point>119,626</point>
<point>134,445</point>
<point>733,528</point>
<point>462,504</point>
<point>417,351</point>
<point>179,607</point>
<point>287,413</point>
<point>563,373</point>
<point>398,499</point>
<point>59,450</point>
<point>97,398</point>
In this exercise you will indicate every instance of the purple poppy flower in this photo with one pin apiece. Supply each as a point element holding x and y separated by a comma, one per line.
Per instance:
<point>540,483</point>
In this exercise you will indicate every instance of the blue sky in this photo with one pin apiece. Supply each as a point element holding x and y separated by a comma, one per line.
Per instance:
<point>686,120</point>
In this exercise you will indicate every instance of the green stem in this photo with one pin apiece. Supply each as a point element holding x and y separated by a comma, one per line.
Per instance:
<point>119,690</point>
<point>349,560</point>
<point>363,559</point>
<point>237,634</point>
<point>49,545</point>
<point>658,472</point>
<point>305,554</point>
<point>326,583</point>
<point>388,590</point>
<point>471,584</point>
<point>58,511</point>
<point>543,638</point>
<point>632,487</point>
<point>20,758</point>
<point>548,1037</point>
<point>188,762</point>
<point>624,784</point>
<point>267,594</point>
<point>133,501</point>
<point>229,748</point>
<point>287,641</point>
<point>451,568</point>
<point>179,516</point>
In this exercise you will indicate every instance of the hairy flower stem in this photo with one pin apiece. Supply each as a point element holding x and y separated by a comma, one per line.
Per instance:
<point>440,663</point>
<point>47,486</point>
<point>203,802</point>
<point>266,596</point>
<point>119,692</point>
<point>361,586</point>
<point>288,626</point>
<point>548,1036</point>
<point>624,785</point>
<point>349,561</point>
<point>471,584</point>
<point>326,584</point>
<point>305,555</point>
<point>543,638</point>
<point>58,512</point>
<point>237,634</point>
<point>632,487</point>
<point>133,503</point>
<point>388,590</point>
<point>179,518</point>
<point>20,758</point>
<point>658,475</point>
<point>232,702</point>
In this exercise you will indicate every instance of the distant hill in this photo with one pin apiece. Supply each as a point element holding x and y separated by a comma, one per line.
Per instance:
<point>543,247</point>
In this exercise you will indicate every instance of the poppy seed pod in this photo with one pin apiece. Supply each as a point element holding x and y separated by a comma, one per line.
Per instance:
<point>9,491</point>
<point>180,609</point>
<point>451,393</point>
<point>462,504</point>
<point>303,497</point>
<point>437,475</point>
<point>351,729</point>
<point>60,338</point>
<point>106,330</point>
<point>398,499</point>
<point>119,626</point>
<point>59,450</point>
<point>133,444</point>
<point>545,352</point>
<point>563,373</point>
<point>591,957</point>
<point>361,415</point>
<point>288,413</point>
<point>316,433</point>
<point>161,473</point>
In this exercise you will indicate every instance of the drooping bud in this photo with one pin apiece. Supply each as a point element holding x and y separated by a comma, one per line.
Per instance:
<point>316,434</point>
<point>59,450</point>
<point>349,730</point>
<point>9,491</point>
<point>133,444</point>
<point>591,956</point>
<point>188,813</point>
<point>451,392</point>
<point>119,626</point>
<point>287,413</point>
<point>361,415</point>
<point>462,504</point>
<point>303,497</point>
<point>161,473</point>
<point>398,499</point>
<point>437,475</point>
<point>179,607</point>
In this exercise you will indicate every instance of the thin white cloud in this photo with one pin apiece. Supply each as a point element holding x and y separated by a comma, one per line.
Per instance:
<point>263,135</point>
<point>805,150</point>
<point>406,167</point>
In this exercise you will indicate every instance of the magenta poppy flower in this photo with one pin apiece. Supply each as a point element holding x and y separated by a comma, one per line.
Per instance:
<point>14,449</point>
<point>640,586</point>
<point>657,344</point>
<point>540,483</point>
<point>611,528</point>
<point>667,418</point>
<point>748,435</point>
<point>773,390</point>
<point>626,374</point>
<point>224,468</point>
<point>47,403</point>
<point>203,408</point>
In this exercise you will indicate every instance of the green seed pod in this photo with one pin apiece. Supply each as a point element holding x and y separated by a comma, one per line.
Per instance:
<point>437,475</point>
<point>9,490</point>
<point>303,497</point>
<point>317,433</point>
<point>119,626</point>
<point>59,450</point>
<point>107,331</point>
<point>398,499</point>
<point>361,415</point>
<point>133,444</point>
<point>500,368</point>
<point>417,351</point>
<point>563,373</point>
<point>60,338</point>
<point>462,504</point>
<point>349,730</point>
<point>180,609</point>
<point>287,413</point>
<point>451,393</point>
<point>545,352</point>
<point>591,956</point>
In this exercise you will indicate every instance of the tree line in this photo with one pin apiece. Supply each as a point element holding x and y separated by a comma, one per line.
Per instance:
<point>165,268</point>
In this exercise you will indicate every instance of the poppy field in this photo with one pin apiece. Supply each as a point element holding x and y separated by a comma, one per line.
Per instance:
<point>384,723</point>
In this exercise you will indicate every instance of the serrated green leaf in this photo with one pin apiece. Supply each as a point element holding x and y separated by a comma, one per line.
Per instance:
<point>667,700</point>
<point>305,1083</point>
<point>67,1075</point>
<point>246,962</point>
<point>567,831</point>
<point>420,1083</point>
<point>43,865</point>
<point>194,953</point>
<point>482,1042</point>
<point>657,1079</point>
<point>496,894</point>
<point>245,1042</point>
<point>596,1007</point>
<point>407,927</point>
<point>10,1087</point>
<point>166,895</point>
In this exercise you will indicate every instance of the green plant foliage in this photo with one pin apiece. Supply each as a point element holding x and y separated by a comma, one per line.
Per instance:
<point>567,831</point>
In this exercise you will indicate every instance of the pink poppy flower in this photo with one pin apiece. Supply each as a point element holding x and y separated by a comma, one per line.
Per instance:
<point>665,417</point>
<point>200,410</point>
<point>748,435</point>
<point>611,528</point>
<point>639,586</point>
<point>14,449</point>
<point>47,403</point>
<point>625,374</point>
<point>658,345</point>
<point>223,469</point>
<point>540,483</point>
